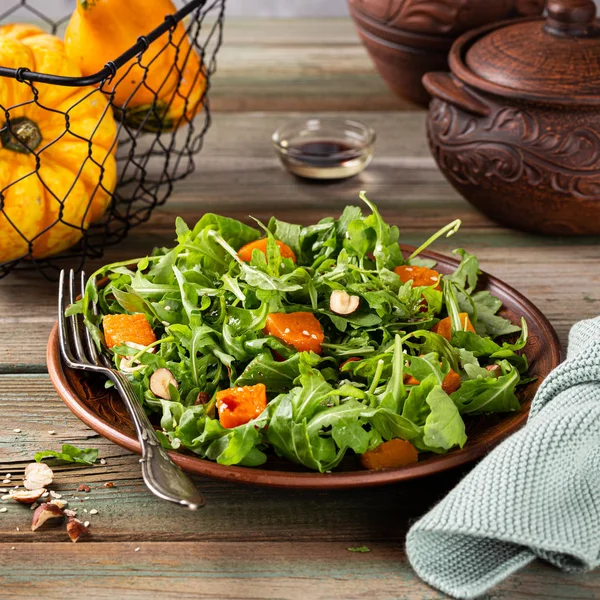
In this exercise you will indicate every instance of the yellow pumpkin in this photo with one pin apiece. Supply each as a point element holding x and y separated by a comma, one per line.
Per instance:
<point>69,131</point>
<point>162,90</point>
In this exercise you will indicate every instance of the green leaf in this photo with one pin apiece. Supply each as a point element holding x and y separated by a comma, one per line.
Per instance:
<point>467,273</point>
<point>350,434</point>
<point>486,347</point>
<point>359,549</point>
<point>69,454</point>
<point>444,427</point>
<point>277,376</point>
<point>488,394</point>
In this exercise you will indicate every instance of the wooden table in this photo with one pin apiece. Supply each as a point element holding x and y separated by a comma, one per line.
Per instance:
<point>251,542</point>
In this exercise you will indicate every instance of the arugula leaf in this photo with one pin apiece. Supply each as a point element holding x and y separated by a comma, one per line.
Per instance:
<point>486,347</point>
<point>488,394</point>
<point>69,454</point>
<point>444,427</point>
<point>278,376</point>
<point>359,549</point>
<point>467,273</point>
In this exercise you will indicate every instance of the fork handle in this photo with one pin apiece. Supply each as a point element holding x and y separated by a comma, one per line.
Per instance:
<point>162,476</point>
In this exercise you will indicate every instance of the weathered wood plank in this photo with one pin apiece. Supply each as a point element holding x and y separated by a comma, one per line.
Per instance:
<point>297,64</point>
<point>245,570</point>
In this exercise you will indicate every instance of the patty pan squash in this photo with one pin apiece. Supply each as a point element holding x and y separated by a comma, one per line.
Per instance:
<point>165,87</point>
<point>69,131</point>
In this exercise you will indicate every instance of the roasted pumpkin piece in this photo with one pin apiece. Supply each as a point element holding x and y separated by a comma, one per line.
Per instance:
<point>238,405</point>
<point>450,384</point>
<point>444,327</point>
<point>391,454</point>
<point>121,329</point>
<point>420,276</point>
<point>245,252</point>
<point>298,329</point>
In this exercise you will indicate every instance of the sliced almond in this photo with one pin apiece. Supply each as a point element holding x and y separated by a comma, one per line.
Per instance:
<point>27,496</point>
<point>37,475</point>
<point>45,512</point>
<point>342,303</point>
<point>159,383</point>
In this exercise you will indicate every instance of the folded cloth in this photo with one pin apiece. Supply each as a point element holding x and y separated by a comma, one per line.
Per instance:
<point>537,495</point>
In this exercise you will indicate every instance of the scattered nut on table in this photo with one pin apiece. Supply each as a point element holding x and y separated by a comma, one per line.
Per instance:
<point>37,476</point>
<point>45,512</point>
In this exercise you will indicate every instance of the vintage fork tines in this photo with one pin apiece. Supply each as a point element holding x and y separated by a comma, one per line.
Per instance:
<point>78,350</point>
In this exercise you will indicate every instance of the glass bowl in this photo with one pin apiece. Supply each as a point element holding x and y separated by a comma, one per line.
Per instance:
<point>324,148</point>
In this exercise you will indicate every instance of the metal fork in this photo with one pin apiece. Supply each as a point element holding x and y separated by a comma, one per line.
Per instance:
<point>162,477</point>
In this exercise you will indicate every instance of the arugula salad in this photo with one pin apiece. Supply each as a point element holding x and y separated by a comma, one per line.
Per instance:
<point>306,342</point>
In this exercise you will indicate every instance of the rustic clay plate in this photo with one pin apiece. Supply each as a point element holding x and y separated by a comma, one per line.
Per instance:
<point>103,411</point>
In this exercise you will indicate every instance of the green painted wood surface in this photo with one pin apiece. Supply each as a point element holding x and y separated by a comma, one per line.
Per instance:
<point>250,542</point>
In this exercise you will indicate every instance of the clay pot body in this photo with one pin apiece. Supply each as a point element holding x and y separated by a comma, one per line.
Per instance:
<point>530,166</point>
<point>408,38</point>
<point>524,152</point>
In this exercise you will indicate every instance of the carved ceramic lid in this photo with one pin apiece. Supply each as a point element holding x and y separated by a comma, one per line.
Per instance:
<point>557,57</point>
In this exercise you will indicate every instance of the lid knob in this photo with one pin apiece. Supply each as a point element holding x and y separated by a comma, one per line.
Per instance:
<point>570,17</point>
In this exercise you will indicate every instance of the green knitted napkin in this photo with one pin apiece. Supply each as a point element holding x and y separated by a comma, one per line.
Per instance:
<point>537,495</point>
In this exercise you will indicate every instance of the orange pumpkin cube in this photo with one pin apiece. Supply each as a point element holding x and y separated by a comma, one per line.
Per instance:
<point>450,384</point>
<point>444,327</point>
<point>298,329</point>
<point>120,329</point>
<point>245,252</point>
<point>391,454</point>
<point>420,276</point>
<point>238,405</point>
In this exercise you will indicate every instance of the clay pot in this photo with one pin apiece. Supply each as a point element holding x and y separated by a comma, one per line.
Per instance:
<point>516,127</point>
<point>408,38</point>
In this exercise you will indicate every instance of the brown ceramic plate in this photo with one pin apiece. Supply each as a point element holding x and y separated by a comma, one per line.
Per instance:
<point>103,411</point>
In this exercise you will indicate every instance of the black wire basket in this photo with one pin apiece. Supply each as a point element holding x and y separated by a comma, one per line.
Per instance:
<point>100,164</point>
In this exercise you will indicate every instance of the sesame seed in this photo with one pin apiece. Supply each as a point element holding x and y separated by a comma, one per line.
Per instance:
<point>433,278</point>
<point>51,432</point>
<point>102,461</point>
<point>17,430</point>
<point>55,495</point>
<point>409,268</point>
<point>6,497</point>
<point>33,506</point>
<point>3,509</point>
<point>137,549</point>
<point>86,497</point>
<point>12,548</point>
<point>3,490</point>
<point>286,330</point>
<point>85,510</point>
<point>17,529</point>
<point>305,333</point>
<point>6,481</point>
<point>313,336</point>
<point>8,475</point>
<point>93,511</point>
<point>167,308</point>
<point>45,495</point>
<point>86,524</point>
